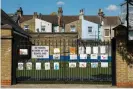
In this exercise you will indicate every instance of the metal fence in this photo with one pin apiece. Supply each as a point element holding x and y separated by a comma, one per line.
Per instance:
<point>94,72</point>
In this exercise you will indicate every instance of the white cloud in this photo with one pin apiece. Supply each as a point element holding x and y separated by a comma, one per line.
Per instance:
<point>60,3</point>
<point>112,8</point>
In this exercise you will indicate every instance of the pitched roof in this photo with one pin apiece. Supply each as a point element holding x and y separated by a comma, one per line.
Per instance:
<point>111,20</point>
<point>6,26</point>
<point>108,20</point>
<point>94,19</point>
<point>25,18</point>
<point>7,22</point>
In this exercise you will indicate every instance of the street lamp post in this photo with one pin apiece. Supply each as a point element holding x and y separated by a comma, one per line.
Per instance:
<point>127,18</point>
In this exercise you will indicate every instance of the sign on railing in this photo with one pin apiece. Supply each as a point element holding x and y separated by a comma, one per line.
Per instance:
<point>40,51</point>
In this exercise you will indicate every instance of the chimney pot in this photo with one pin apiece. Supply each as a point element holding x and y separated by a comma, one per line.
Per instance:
<point>35,15</point>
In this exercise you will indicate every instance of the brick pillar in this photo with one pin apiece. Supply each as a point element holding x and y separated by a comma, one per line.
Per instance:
<point>6,58</point>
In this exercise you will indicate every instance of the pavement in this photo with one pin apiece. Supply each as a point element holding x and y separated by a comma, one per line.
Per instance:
<point>59,86</point>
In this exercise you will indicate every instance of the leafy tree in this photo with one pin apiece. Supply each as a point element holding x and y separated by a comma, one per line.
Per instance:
<point>53,13</point>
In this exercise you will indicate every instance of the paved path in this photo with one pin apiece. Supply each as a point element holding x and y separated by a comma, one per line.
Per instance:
<point>59,86</point>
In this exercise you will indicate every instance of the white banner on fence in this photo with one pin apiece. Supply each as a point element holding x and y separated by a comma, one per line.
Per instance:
<point>95,49</point>
<point>38,66</point>
<point>72,64</point>
<point>94,65</point>
<point>83,56</point>
<point>56,56</point>
<point>81,50</point>
<point>29,66</point>
<point>104,64</point>
<point>56,65</point>
<point>88,50</point>
<point>94,56</point>
<point>82,64</point>
<point>47,66</point>
<point>20,66</point>
<point>102,49</point>
<point>40,51</point>
<point>104,57</point>
<point>73,57</point>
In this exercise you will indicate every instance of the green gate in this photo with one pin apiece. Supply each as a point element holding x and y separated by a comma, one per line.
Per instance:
<point>86,70</point>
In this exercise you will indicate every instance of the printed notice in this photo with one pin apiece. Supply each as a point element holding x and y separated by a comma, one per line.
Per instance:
<point>94,56</point>
<point>94,65</point>
<point>88,50</point>
<point>82,64</point>
<point>38,66</point>
<point>72,64</point>
<point>83,56</point>
<point>104,64</point>
<point>56,66</point>
<point>56,56</point>
<point>29,66</point>
<point>102,49</point>
<point>81,50</point>
<point>104,57</point>
<point>20,66</point>
<point>57,50</point>
<point>95,50</point>
<point>40,51</point>
<point>23,51</point>
<point>73,57</point>
<point>72,50</point>
<point>47,66</point>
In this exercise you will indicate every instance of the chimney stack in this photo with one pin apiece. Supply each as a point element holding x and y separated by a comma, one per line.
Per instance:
<point>35,15</point>
<point>60,11</point>
<point>20,12</point>
<point>60,15</point>
<point>81,15</point>
<point>101,16</point>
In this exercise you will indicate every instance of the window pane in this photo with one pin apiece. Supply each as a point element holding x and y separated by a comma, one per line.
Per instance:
<point>89,29</point>
<point>42,28</point>
<point>26,27</point>
<point>107,32</point>
<point>73,29</point>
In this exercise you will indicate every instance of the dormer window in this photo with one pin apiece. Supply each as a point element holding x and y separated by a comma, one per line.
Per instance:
<point>73,28</point>
<point>26,27</point>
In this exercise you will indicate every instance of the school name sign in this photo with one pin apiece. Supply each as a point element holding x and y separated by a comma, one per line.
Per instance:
<point>40,51</point>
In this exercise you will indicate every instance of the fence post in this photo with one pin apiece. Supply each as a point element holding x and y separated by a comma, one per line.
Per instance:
<point>113,53</point>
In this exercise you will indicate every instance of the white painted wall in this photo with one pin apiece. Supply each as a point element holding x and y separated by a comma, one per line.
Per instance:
<point>85,34</point>
<point>56,28</point>
<point>39,22</point>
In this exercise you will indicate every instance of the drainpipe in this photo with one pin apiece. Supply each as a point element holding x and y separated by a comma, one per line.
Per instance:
<point>98,31</point>
<point>127,20</point>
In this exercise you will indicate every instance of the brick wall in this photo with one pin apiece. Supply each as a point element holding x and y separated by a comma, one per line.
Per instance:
<point>124,59</point>
<point>124,73</point>
<point>31,24</point>
<point>6,57</point>
<point>62,41</point>
<point>77,24</point>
